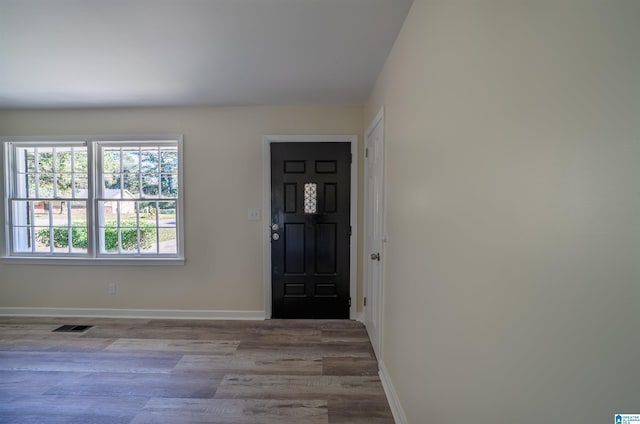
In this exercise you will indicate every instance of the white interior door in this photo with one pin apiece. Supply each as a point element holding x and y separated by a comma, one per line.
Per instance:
<point>374,225</point>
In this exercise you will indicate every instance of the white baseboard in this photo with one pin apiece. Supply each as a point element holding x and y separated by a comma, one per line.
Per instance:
<point>394,402</point>
<point>133,313</point>
<point>358,316</point>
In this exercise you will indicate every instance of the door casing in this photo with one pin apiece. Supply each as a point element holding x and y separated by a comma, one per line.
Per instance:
<point>266,208</point>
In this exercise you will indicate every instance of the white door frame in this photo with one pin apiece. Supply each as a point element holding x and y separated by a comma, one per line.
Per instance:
<point>266,210</point>
<point>367,288</point>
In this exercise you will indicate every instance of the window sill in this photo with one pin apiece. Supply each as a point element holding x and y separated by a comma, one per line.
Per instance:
<point>41,260</point>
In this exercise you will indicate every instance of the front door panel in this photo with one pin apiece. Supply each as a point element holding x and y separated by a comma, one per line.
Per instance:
<point>310,209</point>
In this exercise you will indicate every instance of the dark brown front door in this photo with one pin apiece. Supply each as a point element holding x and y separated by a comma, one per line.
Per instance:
<point>310,204</point>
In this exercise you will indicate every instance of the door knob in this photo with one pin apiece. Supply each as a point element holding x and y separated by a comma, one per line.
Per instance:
<point>375,256</point>
<point>275,236</point>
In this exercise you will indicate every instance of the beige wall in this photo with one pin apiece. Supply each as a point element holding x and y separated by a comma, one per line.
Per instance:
<point>512,276</point>
<point>223,177</point>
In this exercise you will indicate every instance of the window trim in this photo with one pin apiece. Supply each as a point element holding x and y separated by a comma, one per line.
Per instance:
<point>93,256</point>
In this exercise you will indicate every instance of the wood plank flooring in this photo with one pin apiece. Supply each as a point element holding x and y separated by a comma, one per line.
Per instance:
<point>173,371</point>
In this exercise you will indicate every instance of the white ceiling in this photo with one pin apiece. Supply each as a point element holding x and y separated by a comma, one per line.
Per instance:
<point>107,53</point>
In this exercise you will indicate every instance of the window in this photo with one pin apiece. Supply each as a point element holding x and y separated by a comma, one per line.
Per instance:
<point>93,198</point>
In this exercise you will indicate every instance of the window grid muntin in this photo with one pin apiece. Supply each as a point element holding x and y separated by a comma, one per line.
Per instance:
<point>33,226</point>
<point>158,148</point>
<point>21,168</point>
<point>89,182</point>
<point>157,173</point>
<point>37,169</point>
<point>25,174</point>
<point>121,225</point>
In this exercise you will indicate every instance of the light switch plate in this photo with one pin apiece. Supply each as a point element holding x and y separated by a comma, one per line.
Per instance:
<point>253,214</point>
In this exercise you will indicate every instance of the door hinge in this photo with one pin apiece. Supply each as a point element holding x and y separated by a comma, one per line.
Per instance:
<point>349,302</point>
<point>366,152</point>
<point>364,301</point>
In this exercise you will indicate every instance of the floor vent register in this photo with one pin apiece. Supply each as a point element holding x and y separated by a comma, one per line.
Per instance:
<point>72,328</point>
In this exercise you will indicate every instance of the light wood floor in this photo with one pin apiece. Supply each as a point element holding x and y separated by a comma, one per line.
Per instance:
<point>172,371</point>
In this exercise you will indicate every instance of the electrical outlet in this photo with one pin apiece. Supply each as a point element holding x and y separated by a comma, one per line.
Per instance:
<point>112,288</point>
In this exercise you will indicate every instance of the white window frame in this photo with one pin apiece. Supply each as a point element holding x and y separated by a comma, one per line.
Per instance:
<point>93,255</point>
